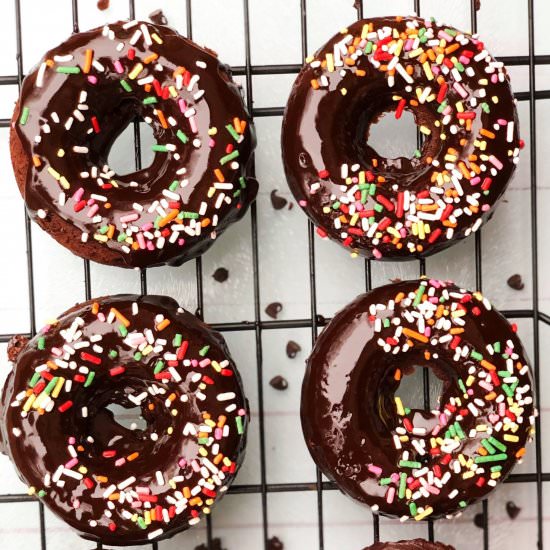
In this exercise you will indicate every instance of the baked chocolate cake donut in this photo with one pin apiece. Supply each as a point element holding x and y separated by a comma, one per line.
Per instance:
<point>78,100</point>
<point>461,100</point>
<point>118,483</point>
<point>406,462</point>
<point>416,544</point>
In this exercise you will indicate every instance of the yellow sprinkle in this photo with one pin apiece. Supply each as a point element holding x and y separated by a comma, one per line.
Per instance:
<point>58,386</point>
<point>53,172</point>
<point>211,192</point>
<point>61,153</point>
<point>330,62</point>
<point>425,130</point>
<point>29,402</point>
<point>64,183</point>
<point>101,238</point>
<point>511,438</point>
<point>135,71</point>
<point>399,406</point>
<point>428,70</point>
<point>424,514</point>
<point>156,38</point>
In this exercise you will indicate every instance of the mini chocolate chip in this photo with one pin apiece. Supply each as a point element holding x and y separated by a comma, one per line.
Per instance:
<point>102,4</point>
<point>277,202</point>
<point>278,383</point>
<point>512,509</point>
<point>396,280</point>
<point>477,4</point>
<point>274,543</point>
<point>221,275</point>
<point>292,349</point>
<point>515,282</point>
<point>15,346</point>
<point>273,309</point>
<point>478,520</point>
<point>290,205</point>
<point>158,17</point>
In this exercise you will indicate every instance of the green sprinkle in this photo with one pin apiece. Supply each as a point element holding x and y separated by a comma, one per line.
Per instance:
<point>419,294</point>
<point>113,354</point>
<point>24,116</point>
<point>503,373</point>
<point>121,237</point>
<point>477,356</point>
<point>141,522</point>
<point>490,458</point>
<point>182,137</point>
<point>368,47</point>
<point>378,207</point>
<point>190,215</point>
<point>417,153</point>
<point>402,484</point>
<point>459,431</point>
<point>34,380</point>
<point>412,508</point>
<point>450,32</point>
<point>459,66</point>
<point>178,339</point>
<point>239,422</point>
<point>41,493</point>
<point>452,430</point>
<point>498,444</point>
<point>159,148</point>
<point>125,85</point>
<point>68,70</point>
<point>336,205</point>
<point>103,229</point>
<point>123,330</point>
<point>462,504</point>
<point>227,158</point>
<point>496,347</point>
<point>174,185</point>
<point>496,468</point>
<point>491,450</point>
<point>51,385</point>
<point>386,322</point>
<point>233,132</point>
<point>242,182</point>
<point>149,100</point>
<point>41,344</point>
<point>508,390</point>
<point>137,356</point>
<point>158,367</point>
<point>202,440</point>
<point>384,481</point>
<point>237,193</point>
<point>204,351</point>
<point>407,410</point>
<point>485,107</point>
<point>409,464</point>
<point>89,379</point>
<point>372,189</point>
<point>461,385</point>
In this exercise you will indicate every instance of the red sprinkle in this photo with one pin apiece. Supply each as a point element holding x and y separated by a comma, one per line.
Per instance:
<point>117,370</point>
<point>90,358</point>
<point>65,406</point>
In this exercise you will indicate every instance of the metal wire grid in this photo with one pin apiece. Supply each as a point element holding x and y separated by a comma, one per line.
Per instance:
<point>316,321</point>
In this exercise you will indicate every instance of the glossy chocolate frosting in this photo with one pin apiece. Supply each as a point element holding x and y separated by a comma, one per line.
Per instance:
<point>404,207</point>
<point>82,95</point>
<point>409,462</point>
<point>118,482</point>
<point>416,544</point>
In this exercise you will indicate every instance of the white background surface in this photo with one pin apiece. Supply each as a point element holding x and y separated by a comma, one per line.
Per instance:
<point>284,271</point>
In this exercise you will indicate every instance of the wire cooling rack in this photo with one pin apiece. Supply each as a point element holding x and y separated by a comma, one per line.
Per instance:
<point>265,497</point>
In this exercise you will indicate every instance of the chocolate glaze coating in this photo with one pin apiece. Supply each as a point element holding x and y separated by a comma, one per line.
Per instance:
<point>52,101</point>
<point>416,544</point>
<point>174,399</point>
<point>366,440</point>
<point>331,168</point>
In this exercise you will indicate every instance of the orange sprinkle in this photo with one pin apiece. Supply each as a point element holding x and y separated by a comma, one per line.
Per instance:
<point>452,48</point>
<point>120,317</point>
<point>487,365</point>
<point>151,58</point>
<point>133,456</point>
<point>360,72</point>
<point>163,324</point>
<point>397,375</point>
<point>218,458</point>
<point>487,133</point>
<point>36,160</point>
<point>399,297</point>
<point>427,355</point>
<point>416,335</point>
<point>482,451</point>
<point>491,396</point>
<point>151,407</point>
<point>114,496</point>
<point>88,61</point>
<point>102,479</point>
<point>111,231</point>
<point>168,218</point>
<point>219,175</point>
<point>51,365</point>
<point>186,492</point>
<point>237,125</point>
<point>520,453</point>
<point>221,421</point>
<point>205,222</point>
<point>95,308</point>
<point>162,119</point>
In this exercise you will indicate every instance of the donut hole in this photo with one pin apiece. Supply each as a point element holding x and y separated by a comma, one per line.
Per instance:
<point>128,417</point>
<point>119,158</point>
<point>412,388</point>
<point>394,138</point>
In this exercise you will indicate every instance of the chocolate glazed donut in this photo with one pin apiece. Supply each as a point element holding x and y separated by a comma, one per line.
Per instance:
<point>78,100</point>
<point>416,544</point>
<point>404,207</point>
<point>406,462</point>
<point>114,481</point>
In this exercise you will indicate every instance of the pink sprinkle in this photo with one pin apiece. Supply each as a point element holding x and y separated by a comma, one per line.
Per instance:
<point>120,461</point>
<point>475,181</point>
<point>486,386</point>
<point>218,433</point>
<point>432,489</point>
<point>241,412</point>
<point>129,218</point>
<point>204,363</point>
<point>181,242</point>
<point>485,207</point>
<point>460,89</point>
<point>76,504</point>
<point>147,226</point>
<point>72,440</point>
<point>136,504</point>
<point>182,463</point>
<point>395,477</point>
<point>211,143</point>
<point>445,36</point>
<point>376,253</point>
<point>195,466</point>
<point>150,246</point>
<point>92,211</point>
<point>143,490</point>
<point>141,241</point>
<point>302,203</point>
<point>57,352</point>
<point>194,363</point>
<point>443,419</point>
<point>118,66</point>
<point>436,430</point>
<point>390,494</point>
<point>502,122</point>
<point>495,162</point>
<point>494,78</point>
<point>89,202</point>
<point>376,470</point>
<point>428,332</point>
<point>193,124</point>
<point>78,194</point>
<point>101,317</point>
<point>183,106</point>
<point>72,463</point>
<point>92,79</point>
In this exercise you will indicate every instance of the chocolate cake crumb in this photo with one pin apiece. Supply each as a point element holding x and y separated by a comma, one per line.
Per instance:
<point>15,346</point>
